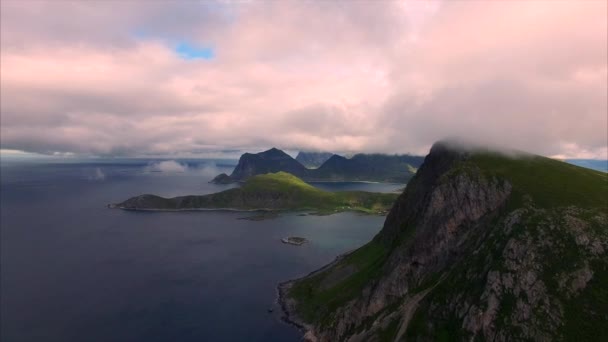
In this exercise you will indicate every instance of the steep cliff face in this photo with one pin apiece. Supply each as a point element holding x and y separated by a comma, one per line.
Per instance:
<point>480,245</point>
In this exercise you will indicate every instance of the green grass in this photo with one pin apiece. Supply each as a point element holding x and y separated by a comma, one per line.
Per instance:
<point>301,195</point>
<point>550,183</point>
<point>280,181</point>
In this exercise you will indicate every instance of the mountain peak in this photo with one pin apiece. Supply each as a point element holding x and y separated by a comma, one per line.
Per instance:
<point>274,152</point>
<point>269,161</point>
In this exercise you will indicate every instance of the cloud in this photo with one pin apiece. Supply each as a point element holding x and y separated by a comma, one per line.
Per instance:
<point>98,175</point>
<point>208,170</point>
<point>362,76</point>
<point>168,166</point>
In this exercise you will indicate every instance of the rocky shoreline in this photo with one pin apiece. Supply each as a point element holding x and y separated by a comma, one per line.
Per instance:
<point>288,305</point>
<point>288,309</point>
<point>263,210</point>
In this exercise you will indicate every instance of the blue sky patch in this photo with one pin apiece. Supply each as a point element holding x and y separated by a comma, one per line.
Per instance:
<point>182,48</point>
<point>189,51</point>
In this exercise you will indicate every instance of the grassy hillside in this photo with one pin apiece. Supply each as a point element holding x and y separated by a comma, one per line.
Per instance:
<point>272,191</point>
<point>550,183</point>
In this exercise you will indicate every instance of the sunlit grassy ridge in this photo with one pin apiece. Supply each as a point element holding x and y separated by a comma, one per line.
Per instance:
<point>280,181</point>
<point>550,183</point>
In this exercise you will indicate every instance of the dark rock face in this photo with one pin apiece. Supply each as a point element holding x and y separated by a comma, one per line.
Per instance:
<point>362,167</point>
<point>273,160</point>
<point>313,160</point>
<point>369,167</point>
<point>465,263</point>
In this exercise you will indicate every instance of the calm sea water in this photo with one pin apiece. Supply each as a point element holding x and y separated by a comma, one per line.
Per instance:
<point>73,270</point>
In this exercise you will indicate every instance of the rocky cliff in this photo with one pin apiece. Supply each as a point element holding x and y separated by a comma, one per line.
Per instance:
<point>480,246</point>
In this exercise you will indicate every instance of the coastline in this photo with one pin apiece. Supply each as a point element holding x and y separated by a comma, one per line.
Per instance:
<point>288,305</point>
<point>323,181</point>
<point>264,210</point>
<point>114,206</point>
<point>354,181</point>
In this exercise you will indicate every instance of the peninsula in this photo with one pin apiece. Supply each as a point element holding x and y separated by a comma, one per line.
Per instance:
<point>270,192</point>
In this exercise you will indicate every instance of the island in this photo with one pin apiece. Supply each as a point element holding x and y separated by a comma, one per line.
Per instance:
<point>294,240</point>
<point>279,191</point>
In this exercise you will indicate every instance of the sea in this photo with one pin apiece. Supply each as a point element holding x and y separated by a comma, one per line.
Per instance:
<point>72,269</point>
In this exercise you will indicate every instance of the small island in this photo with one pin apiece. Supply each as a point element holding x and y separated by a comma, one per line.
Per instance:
<point>269,193</point>
<point>294,240</point>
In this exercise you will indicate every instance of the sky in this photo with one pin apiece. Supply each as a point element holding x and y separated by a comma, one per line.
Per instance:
<point>187,78</point>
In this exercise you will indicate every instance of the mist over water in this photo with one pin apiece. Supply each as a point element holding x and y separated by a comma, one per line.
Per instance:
<point>74,270</point>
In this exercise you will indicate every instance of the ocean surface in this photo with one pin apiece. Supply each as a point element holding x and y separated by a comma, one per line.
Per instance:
<point>74,270</point>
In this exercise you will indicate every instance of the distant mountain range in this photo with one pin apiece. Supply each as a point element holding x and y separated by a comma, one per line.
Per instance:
<point>361,167</point>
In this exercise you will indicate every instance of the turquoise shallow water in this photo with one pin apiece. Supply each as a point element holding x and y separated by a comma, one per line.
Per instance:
<point>73,270</point>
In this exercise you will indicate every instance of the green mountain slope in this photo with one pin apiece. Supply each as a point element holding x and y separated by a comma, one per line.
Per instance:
<point>272,191</point>
<point>480,246</point>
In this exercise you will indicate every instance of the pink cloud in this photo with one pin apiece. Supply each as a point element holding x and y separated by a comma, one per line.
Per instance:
<point>364,76</point>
